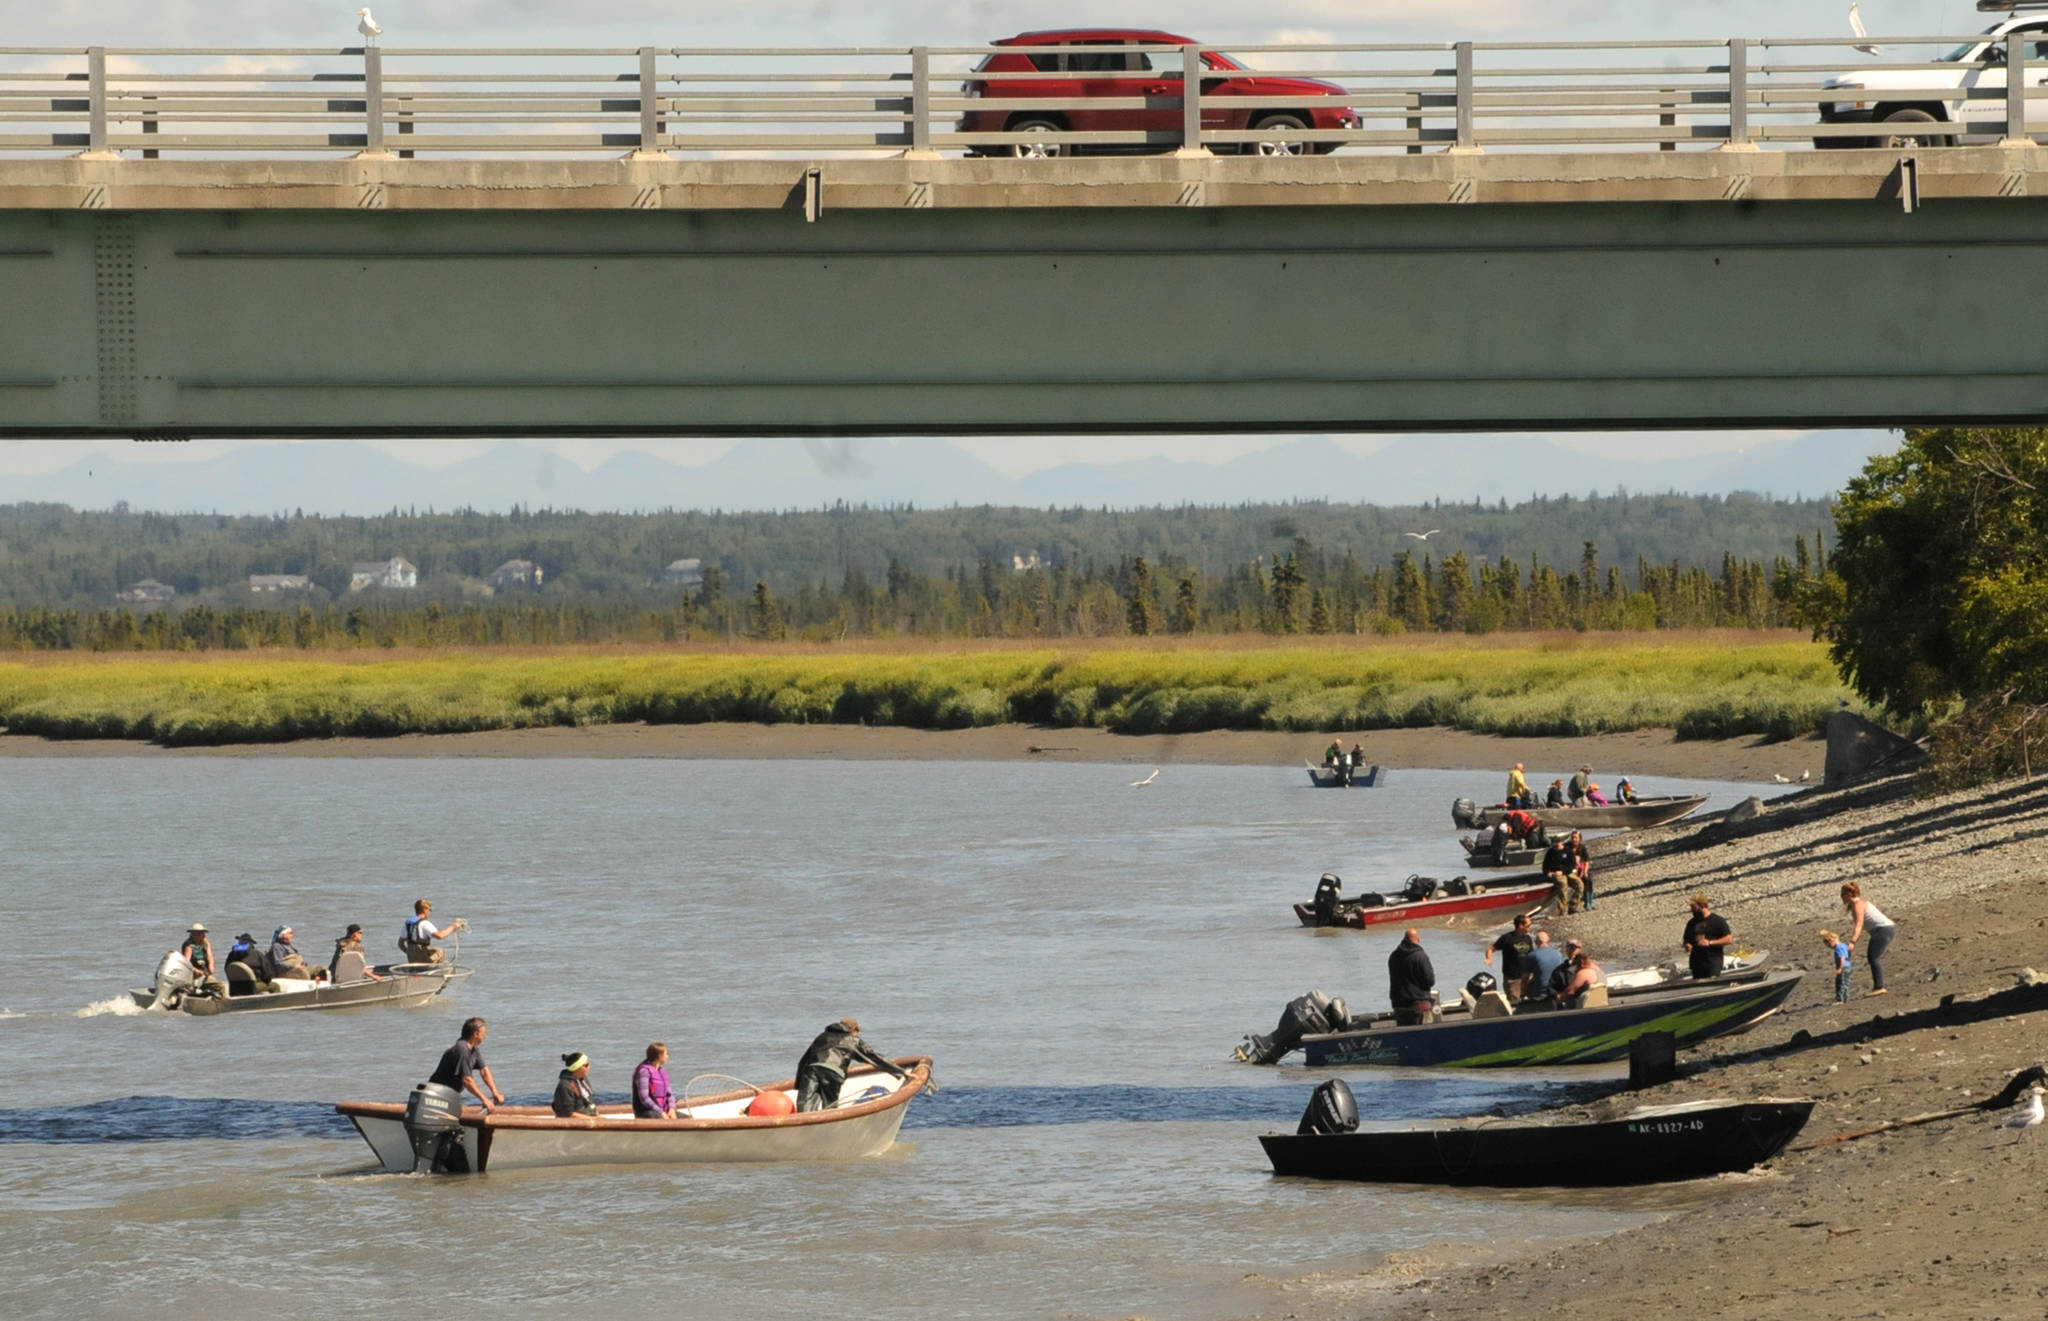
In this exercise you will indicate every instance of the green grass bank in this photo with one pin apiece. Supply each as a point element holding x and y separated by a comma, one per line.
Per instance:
<point>1703,689</point>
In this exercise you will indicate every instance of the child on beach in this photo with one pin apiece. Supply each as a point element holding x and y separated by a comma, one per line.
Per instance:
<point>1840,949</point>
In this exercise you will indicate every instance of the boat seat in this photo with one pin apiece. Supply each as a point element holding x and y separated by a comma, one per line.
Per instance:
<point>1466,999</point>
<point>350,966</point>
<point>1493,1004</point>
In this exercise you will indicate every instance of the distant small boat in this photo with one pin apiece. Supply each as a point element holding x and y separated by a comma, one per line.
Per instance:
<point>1615,816</point>
<point>1330,777</point>
<point>444,1138</point>
<point>1653,1144</point>
<point>1441,901</point>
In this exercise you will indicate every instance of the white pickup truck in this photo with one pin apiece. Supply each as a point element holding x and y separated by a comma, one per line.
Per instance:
<point>1965,87</point>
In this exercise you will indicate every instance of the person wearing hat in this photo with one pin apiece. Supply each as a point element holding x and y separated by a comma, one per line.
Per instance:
<point>198,951</point>
<point>1576,794</point>
<point>349,964</point>
<point>1558,984</point>
<point>822,1071</point>
<point>1625,791</point>
<point>1707,938</point>
<point>572,1089</point>
<point>285,959</point>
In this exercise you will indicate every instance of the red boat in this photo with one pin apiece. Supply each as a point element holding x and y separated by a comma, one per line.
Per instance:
<point>1423,900</point>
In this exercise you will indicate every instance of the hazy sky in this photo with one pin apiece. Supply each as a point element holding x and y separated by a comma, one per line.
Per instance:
<point>572,23</point>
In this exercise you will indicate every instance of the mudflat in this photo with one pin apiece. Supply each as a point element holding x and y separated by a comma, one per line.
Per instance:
<point>1934,1219</point>
<point>1654,752</point>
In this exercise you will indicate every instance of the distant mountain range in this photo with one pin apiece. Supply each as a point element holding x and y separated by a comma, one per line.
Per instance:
<point>344,477</point>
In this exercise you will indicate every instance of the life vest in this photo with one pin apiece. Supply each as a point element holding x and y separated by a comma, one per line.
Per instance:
<point>411,935</point>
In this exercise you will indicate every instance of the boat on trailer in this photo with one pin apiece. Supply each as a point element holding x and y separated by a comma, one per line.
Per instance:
<point>177,989</point>
<point>432,1133</point>
<point>1424,900</point>
<point>1649,1144</point>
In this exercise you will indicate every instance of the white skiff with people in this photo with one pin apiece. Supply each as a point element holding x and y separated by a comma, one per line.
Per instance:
<point>255,977</point>
<point>1345,770</point>
<point>847,1101</point>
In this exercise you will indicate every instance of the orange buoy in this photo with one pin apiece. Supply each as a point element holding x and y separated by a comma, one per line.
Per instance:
<point>771,1103</point>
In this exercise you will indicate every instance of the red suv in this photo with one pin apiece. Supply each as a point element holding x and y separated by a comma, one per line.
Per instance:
<point>1107,62</point>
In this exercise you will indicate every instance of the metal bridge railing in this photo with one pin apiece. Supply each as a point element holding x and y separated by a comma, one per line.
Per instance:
<point>290,102</point>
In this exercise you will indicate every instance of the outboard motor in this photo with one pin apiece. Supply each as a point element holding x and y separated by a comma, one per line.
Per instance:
<point>1332,1109</point>
<point>1418,888</point>
<point>1481,983</point>
<point>1464,814</point>
<point>1457,885</point>
<point>433,1120</point>
<point>1303,1015</point>
<point>1327,898</point>
<point>174,977</point>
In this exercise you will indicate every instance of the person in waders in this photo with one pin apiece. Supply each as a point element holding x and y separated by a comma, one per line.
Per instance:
<point>822,1071</point>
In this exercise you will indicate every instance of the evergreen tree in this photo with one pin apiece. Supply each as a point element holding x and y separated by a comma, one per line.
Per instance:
<point>1143,612</point>
<point>764,621</point>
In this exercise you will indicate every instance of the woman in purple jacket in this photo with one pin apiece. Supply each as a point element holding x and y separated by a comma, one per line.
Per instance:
<point>651,1098</point>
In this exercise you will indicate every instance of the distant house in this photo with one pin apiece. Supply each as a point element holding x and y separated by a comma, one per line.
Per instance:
<point>148,590</point>
<point>515,573</point>
<point>279,582</point>
<point>394,572</point>
<point>1025,563</point>
<point>685,573</point>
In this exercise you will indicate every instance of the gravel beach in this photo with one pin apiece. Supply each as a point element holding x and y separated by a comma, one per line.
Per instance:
<point>1928,1220</point>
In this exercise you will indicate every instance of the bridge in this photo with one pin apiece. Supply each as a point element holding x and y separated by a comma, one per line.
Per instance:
<point>374,241</point>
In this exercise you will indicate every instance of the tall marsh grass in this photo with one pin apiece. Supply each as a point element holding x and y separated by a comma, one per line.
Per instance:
<point>1703,689</point>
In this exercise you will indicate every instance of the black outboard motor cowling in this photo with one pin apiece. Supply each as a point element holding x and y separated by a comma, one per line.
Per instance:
<point>1303,1015</point>
<point>1327,898</point>
<point>1481,983</point>
<point>1464,814</point>
<point>433,1120</point>
<point>1332,1109</point>
<point>1419,888</point>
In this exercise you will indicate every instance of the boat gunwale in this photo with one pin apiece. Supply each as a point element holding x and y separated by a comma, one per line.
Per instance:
<point>543,1119</point>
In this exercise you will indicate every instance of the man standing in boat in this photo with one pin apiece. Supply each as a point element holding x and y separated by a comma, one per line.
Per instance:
<point>417,941</point>
<point>1707,938</point>
<point>1515,948</point>
<point>463,1063</point>
<point>1518,789</point>
<point>822,1071</point>
<point>1411,981</point>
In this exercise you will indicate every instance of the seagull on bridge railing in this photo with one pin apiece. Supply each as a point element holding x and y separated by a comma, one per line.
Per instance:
<point>368,26</point>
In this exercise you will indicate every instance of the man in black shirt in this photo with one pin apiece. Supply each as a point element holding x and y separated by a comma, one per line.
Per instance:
<point>463,1063</point>
<point>1515,948</point>
<point>1707,938</point>
<point>1411,981</point>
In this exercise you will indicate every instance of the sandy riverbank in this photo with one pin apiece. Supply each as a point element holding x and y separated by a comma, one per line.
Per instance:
<point>1935,1220</point>
<point>1639,754</point>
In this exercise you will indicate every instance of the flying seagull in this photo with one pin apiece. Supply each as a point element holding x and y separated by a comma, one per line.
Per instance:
<point>1423,536</point>
<point>1139,784</point>
<point>1862,33</point>
<point>2028,1115</point>
<point>368,26</point>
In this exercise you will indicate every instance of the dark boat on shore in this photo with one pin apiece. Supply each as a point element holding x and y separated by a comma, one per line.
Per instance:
<point>1653,1144</point>
<point>1529,1037</point>
<point>1615,816</point>
<point>1332,777</point>
<point>1424,900</point>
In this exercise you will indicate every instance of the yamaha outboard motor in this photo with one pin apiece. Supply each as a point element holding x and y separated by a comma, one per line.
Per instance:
<point>1481,983</point>
<point>174,977</point>
<point>1464,814</point>
<point>1327,899</point>
<point>1303,1015</point>
<point>433,1121</point>
<point>1332,1109</point>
